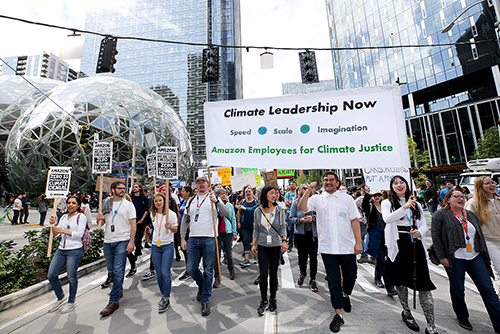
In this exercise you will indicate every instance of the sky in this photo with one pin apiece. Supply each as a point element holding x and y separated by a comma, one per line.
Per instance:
<point>278,23</point>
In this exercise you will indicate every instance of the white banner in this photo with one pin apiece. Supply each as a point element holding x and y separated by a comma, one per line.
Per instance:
<point>58,182</point>
<point>337,129</point>
<point>379,178</point>
<point>102,157</point>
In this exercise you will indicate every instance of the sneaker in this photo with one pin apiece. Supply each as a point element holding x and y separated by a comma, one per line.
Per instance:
<point>107,283</point>
<point>300,281</point>
<point>379,283</point>
<point>391,292</point>
<point>184,276</point>
<point>205,309</point>
<point>262,307</point>
<point>165,304</point>
<point>232,275</point>
<point>336,323</point>
<point>245,263</point>
<point>363,260</point>
<point>216,283</point>
<point>272,305</point>
<point>313,286</point>
<point>254,260</point>
<point>150,274</point>
<point>68,307</point>
<point>347,304</point>
<point>57,305</point>
<point>131,272</point>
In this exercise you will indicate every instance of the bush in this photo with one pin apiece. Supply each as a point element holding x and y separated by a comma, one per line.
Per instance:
<point>16,269</point>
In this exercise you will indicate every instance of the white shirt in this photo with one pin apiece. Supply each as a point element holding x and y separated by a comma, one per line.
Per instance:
<point>462,253</point>
<point>77,228</point>
<point>121,221</point>
<point>160,231</point>
<point>334,213</point>
<point>18,202</point>
<point>204,226</point>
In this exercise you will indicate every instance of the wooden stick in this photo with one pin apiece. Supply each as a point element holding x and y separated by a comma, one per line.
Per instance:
<point>215,228</point>
<point>101,177</point>
<point>51,236</point>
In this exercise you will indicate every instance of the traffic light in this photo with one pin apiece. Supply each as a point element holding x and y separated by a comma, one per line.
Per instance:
<point>84,135</point>
<point>308,68</point>
<point>210,65</point>
<point>107,54</point>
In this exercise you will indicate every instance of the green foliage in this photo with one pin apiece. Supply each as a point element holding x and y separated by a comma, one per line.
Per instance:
<point>301,180</point>
<point>314,176</point>
<point>4,171</point>
<point>420,159</point>
<point>489,146</point>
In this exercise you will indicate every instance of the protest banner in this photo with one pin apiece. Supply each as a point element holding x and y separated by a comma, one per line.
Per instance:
<point>58,181</point>
<point>379,178</point>
<point>106,183</point>
<point>241,180</point>
<point>167,163</point>
<point>354,128</point>
<point>102,157</point>
<point>285,173</point>
<point>270,179</point>
<point>224,174</point>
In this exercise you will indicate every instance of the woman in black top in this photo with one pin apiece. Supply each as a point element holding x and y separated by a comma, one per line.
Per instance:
<point>431,197</point>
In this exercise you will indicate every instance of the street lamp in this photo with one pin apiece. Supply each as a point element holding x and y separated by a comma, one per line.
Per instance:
<point>452,23</point>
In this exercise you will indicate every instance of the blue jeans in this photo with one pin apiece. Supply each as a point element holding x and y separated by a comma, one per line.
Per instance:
<point>196,249</point>
<point>364,240</point>
<point>162,260</point>
<point>246,235</point>
<point>116,258</point>
<point>71,258</point>
<point>432,206</point>
<point>479,274</point>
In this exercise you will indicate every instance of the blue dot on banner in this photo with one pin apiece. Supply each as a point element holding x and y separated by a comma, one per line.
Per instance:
<point>262,130</point>
<point>305,128</point>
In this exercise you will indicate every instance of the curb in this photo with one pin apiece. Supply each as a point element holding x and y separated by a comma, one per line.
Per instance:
<point>25,294</point>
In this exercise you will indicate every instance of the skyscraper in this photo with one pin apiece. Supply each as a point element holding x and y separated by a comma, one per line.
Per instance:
<point>173,69</point>
<point>450,92</point>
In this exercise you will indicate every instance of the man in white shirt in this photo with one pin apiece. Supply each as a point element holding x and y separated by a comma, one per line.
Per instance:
<point>199,214</point>
<point>118,241</point>
<point>337,222</point>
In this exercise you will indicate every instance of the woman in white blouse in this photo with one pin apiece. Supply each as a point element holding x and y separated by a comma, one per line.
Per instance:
<point>406,223</point>
<point>71,226</point>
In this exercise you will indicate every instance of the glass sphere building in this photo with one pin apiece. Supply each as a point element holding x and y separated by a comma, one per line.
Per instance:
<point>44,135</point>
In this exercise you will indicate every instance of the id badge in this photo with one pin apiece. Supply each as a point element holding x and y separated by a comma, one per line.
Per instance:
<point>269,239</point>
<point>469,248</point>
<point>112,228</point>
<point>158,243</point>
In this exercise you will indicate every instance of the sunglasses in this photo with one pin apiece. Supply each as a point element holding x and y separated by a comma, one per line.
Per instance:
<point>377,195</point>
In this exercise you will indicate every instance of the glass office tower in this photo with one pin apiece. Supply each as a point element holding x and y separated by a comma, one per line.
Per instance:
<point>172,70</point>
<point>441,85</point>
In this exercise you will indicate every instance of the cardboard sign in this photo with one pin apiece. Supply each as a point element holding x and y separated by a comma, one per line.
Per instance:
<point>106,184</point>
<point>225,175</point>
<point>151,164</point>
<point>167,163</point>
<point>270,179</point>
<point>241,180</point>
<point>102,157</point>
<point>58,182</point>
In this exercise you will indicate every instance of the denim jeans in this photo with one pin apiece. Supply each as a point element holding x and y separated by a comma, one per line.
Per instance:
<point>246,235</point>
<point>197,248</point>
<point>364,240</point>
<point>432,206</point>
<point>116,258</point>
<point>162,260</point>
<point>71,258</point>
<point>478,272</point>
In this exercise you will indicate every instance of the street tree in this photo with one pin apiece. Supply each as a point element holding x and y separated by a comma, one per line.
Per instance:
<point>419,162</point>
<point>489,146</point>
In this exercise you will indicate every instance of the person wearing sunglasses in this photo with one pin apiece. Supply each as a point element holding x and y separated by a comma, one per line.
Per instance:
<point>461,247</point>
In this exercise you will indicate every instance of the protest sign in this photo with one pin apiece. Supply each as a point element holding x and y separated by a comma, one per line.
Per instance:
<point>354,128</point>
<point>58,182</point>
<point>379,178</point>
<point>270,179</point>
<point>224,174</point>
<point>241,180</point>
<point>151,164</point>
<point>102,157</point>
<point>285,173</point>
<point>106,183</point>
<point>167,163</point>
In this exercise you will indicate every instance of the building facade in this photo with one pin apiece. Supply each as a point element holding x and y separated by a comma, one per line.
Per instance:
<point>449,91</point>
<point>172,70</point>
<point>45,65</point>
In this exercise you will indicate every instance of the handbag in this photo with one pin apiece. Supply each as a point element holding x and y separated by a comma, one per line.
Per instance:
<point>433,255</point>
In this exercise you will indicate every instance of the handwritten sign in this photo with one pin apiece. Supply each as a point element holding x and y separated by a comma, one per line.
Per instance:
<point>58,182</point>
<point>225,174</point>
<point>102,157</point>
<point>151,164</point>
<point>270,179</point>
<point>167,163</point>
<point>378,178</point>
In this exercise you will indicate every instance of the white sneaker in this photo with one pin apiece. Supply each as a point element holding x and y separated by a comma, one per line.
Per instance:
<point>57,305</point>
<point>68,307</point>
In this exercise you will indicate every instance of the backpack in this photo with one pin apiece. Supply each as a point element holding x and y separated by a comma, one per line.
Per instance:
<point>86,238</point>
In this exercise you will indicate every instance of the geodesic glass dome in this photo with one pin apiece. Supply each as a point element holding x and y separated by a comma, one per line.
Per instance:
<point>16,95</point>
<point>113,108</point>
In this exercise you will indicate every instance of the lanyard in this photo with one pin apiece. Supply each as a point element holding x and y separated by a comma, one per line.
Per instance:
<point>464,225</point>
<point>198,206</point>
<point>268,220</point>
<point>410,221</point>
<point>158,223</point>
<point>116,211</point>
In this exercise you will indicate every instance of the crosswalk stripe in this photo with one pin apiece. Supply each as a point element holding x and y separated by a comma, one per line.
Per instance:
<point>287,281</point>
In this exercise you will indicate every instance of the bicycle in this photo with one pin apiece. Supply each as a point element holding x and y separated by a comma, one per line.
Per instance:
<point>6,214</point>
